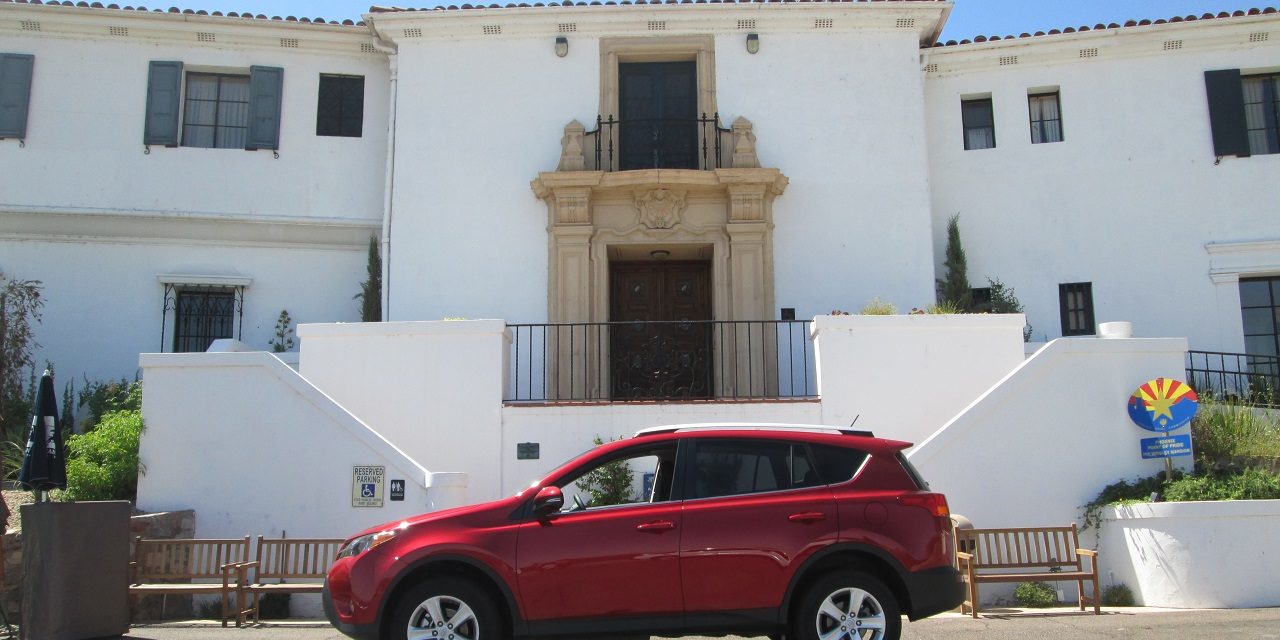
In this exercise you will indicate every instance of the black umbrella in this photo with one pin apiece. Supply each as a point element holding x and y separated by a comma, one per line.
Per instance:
<point>43,465</point>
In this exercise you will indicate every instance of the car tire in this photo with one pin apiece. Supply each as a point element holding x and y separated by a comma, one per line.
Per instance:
<point>456,608</point>
<point>853,602</point>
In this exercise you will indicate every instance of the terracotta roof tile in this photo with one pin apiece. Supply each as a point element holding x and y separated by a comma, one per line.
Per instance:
<point>1100,26</point>
<point>200,12</point>
<point>611,3</point>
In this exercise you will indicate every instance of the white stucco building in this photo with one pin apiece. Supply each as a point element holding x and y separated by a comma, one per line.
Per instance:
<point>1103,196</point>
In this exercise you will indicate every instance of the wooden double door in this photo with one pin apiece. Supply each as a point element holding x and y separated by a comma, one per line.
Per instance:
<point>662,347</point>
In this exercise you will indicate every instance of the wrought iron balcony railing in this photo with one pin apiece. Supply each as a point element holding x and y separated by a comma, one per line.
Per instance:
<point>660,361</point>
<point>1248,378</point>
<point>661,143</point>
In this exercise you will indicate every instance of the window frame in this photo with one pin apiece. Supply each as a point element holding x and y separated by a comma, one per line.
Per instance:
<point>967,125</point>
<point>1039,126</point>
<point>342,130</point>
<point>1067,310</point>
<point>185,123</point>
<point>1273,285</point>
<point>1271,117</point>
<point>571,476</point>
<point>176,287</point>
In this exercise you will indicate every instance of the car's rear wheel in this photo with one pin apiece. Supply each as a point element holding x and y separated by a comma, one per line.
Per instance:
<point>847,605</point>
<point>446,609</point>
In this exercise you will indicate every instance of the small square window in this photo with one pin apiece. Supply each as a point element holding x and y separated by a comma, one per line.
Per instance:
<point>202,315</point>
<point>979,124</point>
<point>1046,117</point>
<point>1075,300</point>
<point>340,106</point>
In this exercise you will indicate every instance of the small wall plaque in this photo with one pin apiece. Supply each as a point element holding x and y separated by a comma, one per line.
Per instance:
<point>528,451</point>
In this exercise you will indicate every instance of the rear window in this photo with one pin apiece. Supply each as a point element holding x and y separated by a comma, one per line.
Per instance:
<point>837,464</point>
<point>911,471</point>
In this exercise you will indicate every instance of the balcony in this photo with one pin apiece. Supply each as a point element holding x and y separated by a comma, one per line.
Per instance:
<point>702,143</point>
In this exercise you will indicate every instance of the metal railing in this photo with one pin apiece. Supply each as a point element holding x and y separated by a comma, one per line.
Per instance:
<point>1248,378</point>
<point>669,143</point>
<point>660,361</point>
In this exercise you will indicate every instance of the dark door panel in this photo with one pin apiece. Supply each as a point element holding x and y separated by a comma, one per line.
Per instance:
<point>670,358</point>
<point>658,109</point>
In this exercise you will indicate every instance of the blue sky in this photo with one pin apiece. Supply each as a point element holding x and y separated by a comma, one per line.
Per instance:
<point>969,18</point>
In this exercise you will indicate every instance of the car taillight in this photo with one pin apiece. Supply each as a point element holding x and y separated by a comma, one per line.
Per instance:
<point>934,503</point>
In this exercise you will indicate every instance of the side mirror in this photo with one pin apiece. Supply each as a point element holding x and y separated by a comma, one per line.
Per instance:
<point>549,500</point>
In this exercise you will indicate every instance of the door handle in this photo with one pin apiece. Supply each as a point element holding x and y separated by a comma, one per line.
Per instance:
<point>656,527</point>
<point>807,517</point>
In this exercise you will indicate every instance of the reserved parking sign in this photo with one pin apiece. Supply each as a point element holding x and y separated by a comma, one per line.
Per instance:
<point>367,486</point>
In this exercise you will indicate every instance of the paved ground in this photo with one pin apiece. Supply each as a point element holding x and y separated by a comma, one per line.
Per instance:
<point>997,624</point>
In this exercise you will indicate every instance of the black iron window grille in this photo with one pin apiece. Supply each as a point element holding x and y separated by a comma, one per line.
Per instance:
<point>340,106</point>
<point>660,361</point>
<point>201,314</point>
<point>1249,378</point>
<point>979,124</point>
<point>673,143</point>
<point>1046,117</point>
<point>1075,300</point>
<point>216,112</point>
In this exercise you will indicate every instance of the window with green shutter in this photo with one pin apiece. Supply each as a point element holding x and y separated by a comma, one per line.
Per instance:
<point>213,110</point>
<point>15,93</point>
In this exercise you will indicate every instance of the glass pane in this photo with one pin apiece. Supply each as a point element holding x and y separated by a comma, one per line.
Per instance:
<point>199,111</point>
<point>734,468</point>
<point>235,89</point>
<point>1255,293</point>
<point>1254,89</point>
<point>1259,321</point>
<point>232,137</point>
<point>197,136</point>
<point>202,87</point>
<point>1260,345</point>
<point>233,114</point>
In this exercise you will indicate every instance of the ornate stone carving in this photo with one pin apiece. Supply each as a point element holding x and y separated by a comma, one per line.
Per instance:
<point>660,208</point>
<point>746,202</point>
<point>744,145</point>
<point>573,206</point>
<point>571,158</point>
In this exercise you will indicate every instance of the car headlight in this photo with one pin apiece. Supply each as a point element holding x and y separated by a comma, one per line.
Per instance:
<point>366,542</point>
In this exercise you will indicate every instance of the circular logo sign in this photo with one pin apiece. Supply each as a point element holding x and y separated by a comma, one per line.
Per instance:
<point>1163,405</point>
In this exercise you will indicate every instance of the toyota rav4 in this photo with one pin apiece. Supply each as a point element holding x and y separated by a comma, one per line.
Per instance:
<point>808,532</point>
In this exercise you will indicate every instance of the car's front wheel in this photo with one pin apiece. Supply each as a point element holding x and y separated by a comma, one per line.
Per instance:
<point>446,609</point>
<point>847,605</point>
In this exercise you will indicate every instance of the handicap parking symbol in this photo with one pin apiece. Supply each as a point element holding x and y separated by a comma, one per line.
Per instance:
<point>367,489</point>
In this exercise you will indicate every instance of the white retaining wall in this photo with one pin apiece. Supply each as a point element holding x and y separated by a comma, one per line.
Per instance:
<point>1194,554</point>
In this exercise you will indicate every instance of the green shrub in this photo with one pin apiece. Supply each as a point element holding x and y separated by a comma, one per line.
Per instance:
<point>1118,595</point>
<point>609,483</point>
<point>1229,429</point>
<point>1248,484</point>
<point>1139,490</point>
<point>103,463</point>
<point>104,397</point>
<point>1034,595</point>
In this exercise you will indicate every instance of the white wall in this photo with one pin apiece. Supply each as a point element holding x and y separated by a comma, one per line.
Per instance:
<point>904,376</point>
<point>1050,435</point>
<point>103,304</point>
<point>1197,555</point>
<point>433,388</point>
<point>1132,195</point>
<point>842,115</point>
<point>266,452</point>
<point>88,99</point>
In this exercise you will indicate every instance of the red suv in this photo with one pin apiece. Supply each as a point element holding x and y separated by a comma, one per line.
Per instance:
<point>811,532</point>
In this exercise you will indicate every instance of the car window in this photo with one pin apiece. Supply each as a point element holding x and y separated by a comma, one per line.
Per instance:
<point>837,464</point>
<point>735,467</point>
<point>639,475</point>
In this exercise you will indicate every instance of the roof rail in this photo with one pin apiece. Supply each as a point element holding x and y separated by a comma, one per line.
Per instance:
<point>728,426</point>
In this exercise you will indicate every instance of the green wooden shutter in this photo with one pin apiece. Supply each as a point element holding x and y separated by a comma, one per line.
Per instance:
<point>15,93</point>
<point>164,90</point>
<point>1226,112</point>
<point>265,90</point>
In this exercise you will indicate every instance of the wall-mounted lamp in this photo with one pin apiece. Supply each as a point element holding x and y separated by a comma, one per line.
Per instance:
<point>753,43</point>
<point>659,254</point>
<point>562,46</point>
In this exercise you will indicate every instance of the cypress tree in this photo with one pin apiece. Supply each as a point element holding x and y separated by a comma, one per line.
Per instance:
<point>370,295</point>
<point>954,288</point>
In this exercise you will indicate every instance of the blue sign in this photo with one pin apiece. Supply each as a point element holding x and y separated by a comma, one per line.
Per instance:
<point>1163,405</point>
<point>1166,446</point>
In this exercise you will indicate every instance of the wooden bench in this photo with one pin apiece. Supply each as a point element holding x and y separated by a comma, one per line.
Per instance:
<point>1025,554</point>
<point>284,565</point>
<point>188,567</point>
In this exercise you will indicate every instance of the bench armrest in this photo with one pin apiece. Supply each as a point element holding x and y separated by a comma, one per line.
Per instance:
<point>960,555</point>
<point>241,570</point>
<point>1087,552</point>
